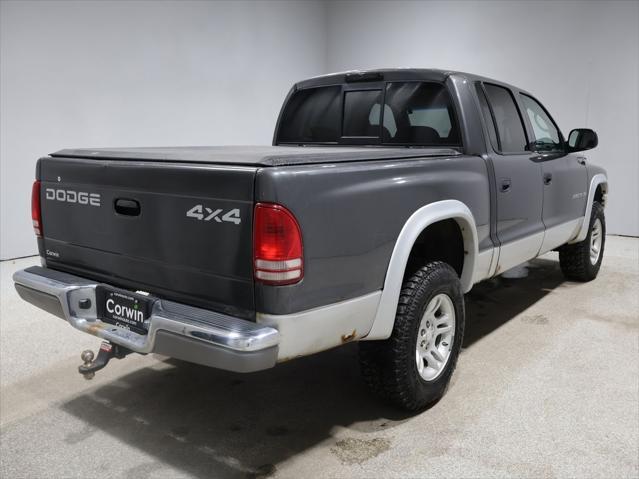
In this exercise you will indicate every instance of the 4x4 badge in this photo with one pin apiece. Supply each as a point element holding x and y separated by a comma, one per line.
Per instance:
<point>202,213</point>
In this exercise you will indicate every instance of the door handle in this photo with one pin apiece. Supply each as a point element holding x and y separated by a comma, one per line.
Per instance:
<point>547,179</point>
<point>581,160</point>
<point>505,185</point>
<point>127,206</point>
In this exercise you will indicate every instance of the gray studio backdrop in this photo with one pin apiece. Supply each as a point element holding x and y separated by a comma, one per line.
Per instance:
<point>100,74</point>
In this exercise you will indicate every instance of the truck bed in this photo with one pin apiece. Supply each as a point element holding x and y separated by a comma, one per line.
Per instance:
<point>188,237</point>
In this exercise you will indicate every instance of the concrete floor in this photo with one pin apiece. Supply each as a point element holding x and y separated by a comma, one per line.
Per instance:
<point>547,386</point>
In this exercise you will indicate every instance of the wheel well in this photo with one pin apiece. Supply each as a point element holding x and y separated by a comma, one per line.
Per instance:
<point>600,194</point>
<point>441,241</point>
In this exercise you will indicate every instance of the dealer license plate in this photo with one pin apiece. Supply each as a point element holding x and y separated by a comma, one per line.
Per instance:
<point>123,309</point>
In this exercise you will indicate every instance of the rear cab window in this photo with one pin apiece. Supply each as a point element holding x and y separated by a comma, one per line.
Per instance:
<point>408,113</point>
<point>362,113</point>
<point>312,116</point>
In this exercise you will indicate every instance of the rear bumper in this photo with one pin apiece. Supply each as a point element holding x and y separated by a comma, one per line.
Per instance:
<point>176,330</point>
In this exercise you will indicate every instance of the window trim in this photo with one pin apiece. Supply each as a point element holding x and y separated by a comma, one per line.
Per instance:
<point>524,125</point>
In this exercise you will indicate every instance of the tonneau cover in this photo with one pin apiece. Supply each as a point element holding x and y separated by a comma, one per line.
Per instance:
<point>255,155</point>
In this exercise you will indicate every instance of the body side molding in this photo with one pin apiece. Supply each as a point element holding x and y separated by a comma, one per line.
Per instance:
<point>418,221</point>
<point>598,179</point>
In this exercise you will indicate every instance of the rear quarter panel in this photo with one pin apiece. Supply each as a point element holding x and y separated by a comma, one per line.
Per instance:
<point>351,214</point>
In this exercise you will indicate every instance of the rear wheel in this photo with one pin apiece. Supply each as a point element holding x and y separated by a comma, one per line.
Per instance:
<point>413,367</point>
<point>581,261</point>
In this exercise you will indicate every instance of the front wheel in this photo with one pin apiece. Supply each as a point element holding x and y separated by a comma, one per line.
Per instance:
<point>581,261</point>
<point>413,367</point>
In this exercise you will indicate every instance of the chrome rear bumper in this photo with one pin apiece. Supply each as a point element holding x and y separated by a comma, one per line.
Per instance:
<point>176,330</point>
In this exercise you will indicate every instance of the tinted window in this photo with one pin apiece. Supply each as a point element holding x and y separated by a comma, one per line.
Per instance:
<point>436,118</point>
<point>312,115</point>
<point>488,118</point>
<point>545,131</point>
<point>509,126</point>
<point>362,113</point>
<point>389,119</point>
<point>410,113</point>
<point>422,113</point>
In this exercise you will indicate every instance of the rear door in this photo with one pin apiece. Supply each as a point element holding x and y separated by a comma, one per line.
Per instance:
<point>565,176</point>
<point>518,178</point>
<point>181,231</point>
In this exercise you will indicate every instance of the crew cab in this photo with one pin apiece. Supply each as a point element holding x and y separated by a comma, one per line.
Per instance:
<point>386,195</point>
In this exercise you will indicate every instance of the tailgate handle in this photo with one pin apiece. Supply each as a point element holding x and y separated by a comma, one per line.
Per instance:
<point>127,206</point>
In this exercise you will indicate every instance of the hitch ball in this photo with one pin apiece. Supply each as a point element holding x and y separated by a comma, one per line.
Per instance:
<point>87,356</point>
<point>107,352</point>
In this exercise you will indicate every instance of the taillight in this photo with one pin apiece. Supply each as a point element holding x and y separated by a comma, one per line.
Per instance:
<point>36,214</point>
<point>277,245</point>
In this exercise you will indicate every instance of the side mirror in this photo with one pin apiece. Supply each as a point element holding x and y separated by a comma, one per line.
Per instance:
<point>581,139</point>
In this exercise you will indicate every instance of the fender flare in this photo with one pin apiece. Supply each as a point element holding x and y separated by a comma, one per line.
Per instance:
<point>598,179</point>
<point>422,218</point>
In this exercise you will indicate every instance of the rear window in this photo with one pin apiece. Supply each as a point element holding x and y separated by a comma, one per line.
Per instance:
<point>362,113</point>
<point>423,114</point>
<point>313,116</point>
<point>413,113</point>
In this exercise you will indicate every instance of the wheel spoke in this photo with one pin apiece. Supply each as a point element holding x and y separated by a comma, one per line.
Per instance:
<point>434,353</point>
<point>443,319</point>
<point>433,306</point>
<point>444,329</point>
<point>419,358</point>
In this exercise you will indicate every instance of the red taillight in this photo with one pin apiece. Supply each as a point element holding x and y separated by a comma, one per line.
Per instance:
<point>36,215</point>
<point>277,245</point>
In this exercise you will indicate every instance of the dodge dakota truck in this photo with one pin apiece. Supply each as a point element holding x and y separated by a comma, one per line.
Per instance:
<point>386,195</point>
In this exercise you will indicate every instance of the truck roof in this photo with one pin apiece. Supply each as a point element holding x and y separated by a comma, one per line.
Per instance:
<point>395,74</point>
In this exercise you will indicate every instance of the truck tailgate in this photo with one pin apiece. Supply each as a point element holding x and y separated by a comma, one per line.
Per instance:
<point>178,230</point>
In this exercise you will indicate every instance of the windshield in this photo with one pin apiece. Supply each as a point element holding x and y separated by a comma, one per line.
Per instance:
<point>413,114</point>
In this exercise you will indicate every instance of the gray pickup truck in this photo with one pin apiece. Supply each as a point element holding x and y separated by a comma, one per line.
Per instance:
<point>385,197</point>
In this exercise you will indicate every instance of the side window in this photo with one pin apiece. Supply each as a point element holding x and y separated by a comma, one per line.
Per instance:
<point>545,131</point>
<point>510,129</point>
<point>488,118</point>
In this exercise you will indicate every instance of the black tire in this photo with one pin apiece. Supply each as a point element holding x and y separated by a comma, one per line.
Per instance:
<point>575,260</point>
<point>389,367</point>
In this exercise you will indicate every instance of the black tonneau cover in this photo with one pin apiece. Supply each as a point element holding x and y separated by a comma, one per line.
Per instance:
<point>255,155</point>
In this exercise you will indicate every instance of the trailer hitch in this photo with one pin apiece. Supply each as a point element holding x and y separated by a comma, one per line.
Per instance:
<point>107,352</point>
